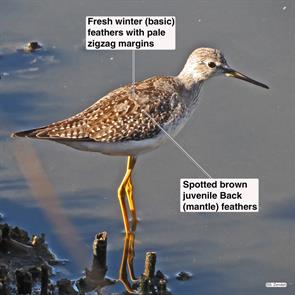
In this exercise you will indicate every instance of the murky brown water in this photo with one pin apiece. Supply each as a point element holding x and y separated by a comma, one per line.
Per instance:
<point>239,131</point>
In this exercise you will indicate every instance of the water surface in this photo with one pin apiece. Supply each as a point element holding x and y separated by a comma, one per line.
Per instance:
<point>239,131</point>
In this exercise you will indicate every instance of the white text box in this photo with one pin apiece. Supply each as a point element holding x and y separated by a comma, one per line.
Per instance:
<point>130,32</point>
<point>219,195</point>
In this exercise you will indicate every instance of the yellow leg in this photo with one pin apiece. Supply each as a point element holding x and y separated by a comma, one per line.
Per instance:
<point>122,191</point>
<point>131,203</point>
<point>126,189</point>
<point>131,254</point>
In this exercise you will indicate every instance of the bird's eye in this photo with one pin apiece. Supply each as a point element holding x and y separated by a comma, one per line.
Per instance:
<point>211,64</point>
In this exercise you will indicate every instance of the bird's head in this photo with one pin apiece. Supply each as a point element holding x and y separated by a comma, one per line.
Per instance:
<point>204,63</point>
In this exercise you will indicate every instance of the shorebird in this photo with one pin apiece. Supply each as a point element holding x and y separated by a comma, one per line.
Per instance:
<point>137,118</point>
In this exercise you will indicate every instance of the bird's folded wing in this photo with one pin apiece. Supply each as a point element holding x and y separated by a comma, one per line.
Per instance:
<point>132,112</point>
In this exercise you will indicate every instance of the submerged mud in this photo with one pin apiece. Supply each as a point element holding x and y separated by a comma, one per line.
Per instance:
<point>27,267</point>
<point>24,260</point>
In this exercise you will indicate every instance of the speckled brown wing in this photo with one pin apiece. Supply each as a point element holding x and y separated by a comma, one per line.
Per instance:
<point>131,112</point>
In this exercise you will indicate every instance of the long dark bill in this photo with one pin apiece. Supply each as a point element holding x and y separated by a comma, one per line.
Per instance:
<point>238,75</point>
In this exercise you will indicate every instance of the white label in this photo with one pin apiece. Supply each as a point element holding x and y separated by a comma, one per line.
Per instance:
<point>219,195</point>
<point>130,32</point>
<point>276,284</point>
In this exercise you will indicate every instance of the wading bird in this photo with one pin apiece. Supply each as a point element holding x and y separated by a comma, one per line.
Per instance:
<point>139,117</point>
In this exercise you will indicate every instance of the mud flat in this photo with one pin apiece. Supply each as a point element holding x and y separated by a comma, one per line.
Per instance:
<point>26,266</point>
<point>24,261</point>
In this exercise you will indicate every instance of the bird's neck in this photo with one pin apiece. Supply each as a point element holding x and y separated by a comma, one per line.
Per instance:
<point>190,83</point>
<point>190,79</point>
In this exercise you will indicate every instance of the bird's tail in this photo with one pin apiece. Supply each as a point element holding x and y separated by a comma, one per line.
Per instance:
<point>26,133</point>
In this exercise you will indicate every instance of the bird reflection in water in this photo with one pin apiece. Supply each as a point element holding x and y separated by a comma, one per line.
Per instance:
<point>147,283</point>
